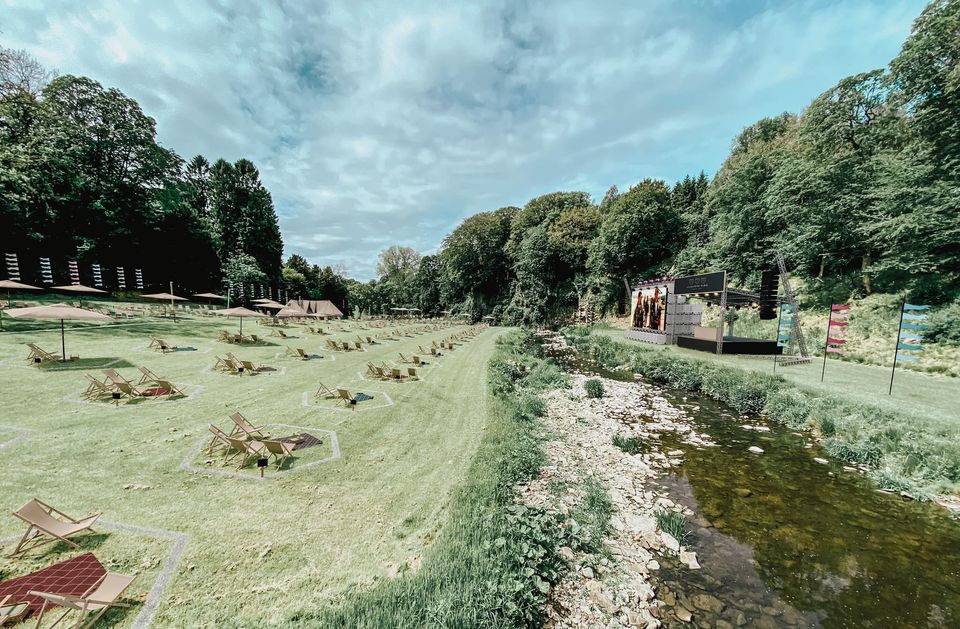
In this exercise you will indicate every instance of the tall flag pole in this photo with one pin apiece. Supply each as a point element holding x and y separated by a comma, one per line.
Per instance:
<point>835,333</point>
<point>909,337</point>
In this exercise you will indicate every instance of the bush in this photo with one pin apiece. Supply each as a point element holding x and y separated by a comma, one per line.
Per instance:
<point>594,388</point>
<point>943,325</point>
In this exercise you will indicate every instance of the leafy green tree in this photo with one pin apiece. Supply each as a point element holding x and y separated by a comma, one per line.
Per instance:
<point>476,271</point>
<point>397,267</point>
<point>426,286</point>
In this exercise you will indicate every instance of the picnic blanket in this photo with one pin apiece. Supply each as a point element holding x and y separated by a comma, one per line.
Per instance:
<point>72,577</point>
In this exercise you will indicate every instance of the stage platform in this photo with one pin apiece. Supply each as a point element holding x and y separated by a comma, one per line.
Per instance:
<point>732,345</point>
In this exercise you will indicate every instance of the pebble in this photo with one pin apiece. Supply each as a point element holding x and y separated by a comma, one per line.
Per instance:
<point>755,449</point>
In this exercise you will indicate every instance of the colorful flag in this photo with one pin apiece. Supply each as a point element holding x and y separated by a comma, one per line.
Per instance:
<point>909,336</point>
<point>835,333</point>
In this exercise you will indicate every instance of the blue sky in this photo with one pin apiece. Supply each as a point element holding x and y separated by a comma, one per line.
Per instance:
<point>375,123</point>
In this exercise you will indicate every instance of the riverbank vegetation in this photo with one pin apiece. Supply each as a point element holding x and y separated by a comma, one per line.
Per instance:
<point>903,452</point>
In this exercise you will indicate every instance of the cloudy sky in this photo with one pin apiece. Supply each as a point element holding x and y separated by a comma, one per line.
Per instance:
<point>376,123</point>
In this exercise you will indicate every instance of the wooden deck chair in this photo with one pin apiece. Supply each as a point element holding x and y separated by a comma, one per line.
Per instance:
<point>249,367</point>
<point>415,359</point>
<point>244,427</point>
<point>358,346</point>
<point>256,339</point>
<point>96,389</point>
<point>129,390</point>
<point>396,374</point>
<point>370,340</point>
<point>101,596</point>
<point>226,336</point>
<point>412,373</point>
<point>161,383</point>
<point>280,450</point>
<point>219,440</point>
<point>44,520</point>
<point>154,342</point>
<point>403,358</point>
<point>12,612</point>
<point>344,346</point>
<point>38,355</point>
<point>281,333</point>
<point>346,399</point>
<point>324,392</point>
<point>247,449</point>
<point>331,345</point>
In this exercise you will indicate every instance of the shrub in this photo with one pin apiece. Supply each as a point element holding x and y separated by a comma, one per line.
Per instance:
<point>673,523</point>
<point>594,388</point>
<point>943,325</point>
<point>630,445</point>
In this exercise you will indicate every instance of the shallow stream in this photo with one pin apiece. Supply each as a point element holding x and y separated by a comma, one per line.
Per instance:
<point>787,541</point>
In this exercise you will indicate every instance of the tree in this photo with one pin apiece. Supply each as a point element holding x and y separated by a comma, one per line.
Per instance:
<point>242,269</point>
<point>21,75</point>
<point>476,271</point>
<point>397,267</point>
<point>638,233</point>
<point>426,286</point>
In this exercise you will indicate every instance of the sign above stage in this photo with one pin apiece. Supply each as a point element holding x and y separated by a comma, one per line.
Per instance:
<point>705,283</point>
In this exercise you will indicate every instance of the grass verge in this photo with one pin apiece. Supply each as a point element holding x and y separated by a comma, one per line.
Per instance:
<point>920,457</point>
<point>494,561</point>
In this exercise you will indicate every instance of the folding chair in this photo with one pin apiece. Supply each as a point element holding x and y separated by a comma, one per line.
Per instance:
<point>93,604</point>
<point>42,519</point>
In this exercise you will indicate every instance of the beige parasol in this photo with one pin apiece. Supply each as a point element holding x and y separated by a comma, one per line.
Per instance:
<point>239,311</point>
<point>80,288</point>
<point>10,287</point>
<point>58,311</point>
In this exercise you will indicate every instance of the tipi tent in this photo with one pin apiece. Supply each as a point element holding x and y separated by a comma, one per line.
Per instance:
<point>320,307</point>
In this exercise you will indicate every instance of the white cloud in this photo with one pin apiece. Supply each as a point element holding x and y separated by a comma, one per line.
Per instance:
<point>382,122</point>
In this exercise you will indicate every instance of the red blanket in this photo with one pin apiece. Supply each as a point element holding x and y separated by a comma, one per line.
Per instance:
<point>73,577</point>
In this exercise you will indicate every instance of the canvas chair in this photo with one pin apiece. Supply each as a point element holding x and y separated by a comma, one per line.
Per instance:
<point>226,336</point>
<point>256,339</point>
<point>396,374</point>
<point>219,439</point>
<point>44,520</point>
<point>325,392</point>
<point>412,373</point>
<point>403,358</point>
<point>370,340</point>
<point>280,450</point>
<point>243,426</point>
<point>346,398</point>
<point>344,346</point>
<point>281,333</point>
<point>44,356</point>
<point>247,449</point>
<point>101,596</point>
<point>331,345</point>
<point>225,364</point>
<point>358,346</point>
<point>161,383</point>
<point>162,346</point>
<point>96,388</point>
<point>416,360</point>
<point>249,367</point>
<point>12,612</point>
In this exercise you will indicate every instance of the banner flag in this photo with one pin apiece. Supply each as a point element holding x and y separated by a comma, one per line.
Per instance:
<point>839,307</point>
<point>910,331</point>
<point>833,341</point>
<point>121,279</point>
<point>46,271</point>
<point>835,332</point>
<point>834,350</point>
<point>13,267</point>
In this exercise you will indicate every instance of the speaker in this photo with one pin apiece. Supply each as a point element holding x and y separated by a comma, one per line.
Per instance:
<point>769,287</point>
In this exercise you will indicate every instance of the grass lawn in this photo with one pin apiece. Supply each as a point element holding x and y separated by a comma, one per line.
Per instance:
<point>920,395</point>
<point>255,550</point>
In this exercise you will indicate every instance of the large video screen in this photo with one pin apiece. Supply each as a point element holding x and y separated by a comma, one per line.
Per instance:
<point>649,310</point>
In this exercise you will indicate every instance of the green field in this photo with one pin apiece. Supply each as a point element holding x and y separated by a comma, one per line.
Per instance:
<point>253,551</point>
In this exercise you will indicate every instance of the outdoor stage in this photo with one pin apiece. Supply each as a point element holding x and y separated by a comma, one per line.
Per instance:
<point>732,345</point>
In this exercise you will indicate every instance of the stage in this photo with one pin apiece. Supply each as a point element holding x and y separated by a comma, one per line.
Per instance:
<point>732,345</point>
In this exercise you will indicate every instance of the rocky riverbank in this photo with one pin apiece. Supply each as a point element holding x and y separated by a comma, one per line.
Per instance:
<point>614,588</point>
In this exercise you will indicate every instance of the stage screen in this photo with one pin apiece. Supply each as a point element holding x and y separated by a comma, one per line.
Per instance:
<point>649,310</point>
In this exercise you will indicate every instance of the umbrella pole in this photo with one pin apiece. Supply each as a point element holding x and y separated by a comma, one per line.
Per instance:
<point>63,342</point>
<point>241,327</point>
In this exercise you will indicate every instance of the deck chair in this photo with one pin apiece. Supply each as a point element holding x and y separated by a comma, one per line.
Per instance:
<point>403,358</point>
<point>416,360</point>
<point>358,346</point>
<point>96,388</point>
<point>249,367</point>
<point>247,449</point>
<point>101,596</point>
<point>396,374</point>
<point>38,355</point>
<point>280,333</point>
<point>298,352</point>
<point>163,346</point>
<point>370,340</point>
<point>332,345</point>
<point>412,373</point>
<point>226,336</point>
<point>346,399</point>
<point>345,346</point>
<point>225,364</point>
<point>12,612</point>
<point>325,392</point>
<point>242,426</point>
<point>256,339</point>
<point>161,383</point>
<point>219,439</point>
<point>42,519</point>
<point>280,450</point>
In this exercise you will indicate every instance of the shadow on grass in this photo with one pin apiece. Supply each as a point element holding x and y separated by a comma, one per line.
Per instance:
<point>86,363</point>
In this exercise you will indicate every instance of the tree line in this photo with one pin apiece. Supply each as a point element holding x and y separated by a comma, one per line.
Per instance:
<point>859,192</point>
<point>83,177</point>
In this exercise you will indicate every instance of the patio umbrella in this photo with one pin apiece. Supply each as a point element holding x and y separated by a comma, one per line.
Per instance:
<point>11,286</point>
<point>80,288</point>
<point>58,311</point>
<point>166,297</point>
<point>271,305</point>
<point>239,312</point>
<point>210,296</point>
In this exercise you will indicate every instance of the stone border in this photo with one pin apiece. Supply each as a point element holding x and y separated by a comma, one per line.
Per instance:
<point>145,617</point>
<point>24,433</point>
<point>187,464</point>
<point>307,403</point>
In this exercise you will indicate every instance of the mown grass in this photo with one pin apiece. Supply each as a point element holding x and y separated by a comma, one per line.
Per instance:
<point>257,551</point>
<point>494,561</point>
<point>905,451</point>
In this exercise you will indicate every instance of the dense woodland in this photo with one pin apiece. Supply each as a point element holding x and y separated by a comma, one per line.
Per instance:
<point>82,177</point>
<point>859,192</point>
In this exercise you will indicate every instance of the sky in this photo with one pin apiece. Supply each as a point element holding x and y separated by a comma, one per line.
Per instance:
<point>378,123</point>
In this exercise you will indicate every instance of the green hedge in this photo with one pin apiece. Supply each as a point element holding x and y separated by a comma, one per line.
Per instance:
<point>904,455</point>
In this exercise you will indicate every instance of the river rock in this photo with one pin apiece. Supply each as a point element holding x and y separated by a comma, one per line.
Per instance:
<point>820,460</point>
<point>743,492</point>
<point>755,449</point>
<point>683,614</point>
<point>670,541</point>
<point>690,559</point>
<point>707,602</point>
